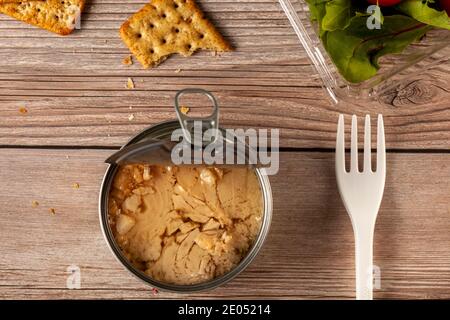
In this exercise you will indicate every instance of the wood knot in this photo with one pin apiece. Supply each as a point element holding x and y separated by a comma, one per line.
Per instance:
<point>412,93</point>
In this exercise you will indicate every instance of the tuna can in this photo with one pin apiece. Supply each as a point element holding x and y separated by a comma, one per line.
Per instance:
<point>160,134</point>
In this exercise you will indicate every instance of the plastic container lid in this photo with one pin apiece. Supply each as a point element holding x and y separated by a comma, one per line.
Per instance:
<point>412,63</point>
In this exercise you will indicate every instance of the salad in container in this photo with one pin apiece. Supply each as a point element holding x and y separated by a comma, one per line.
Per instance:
<point>363,48</point>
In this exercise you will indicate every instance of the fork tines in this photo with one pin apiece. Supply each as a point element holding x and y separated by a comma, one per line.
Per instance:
<point>340,146</point>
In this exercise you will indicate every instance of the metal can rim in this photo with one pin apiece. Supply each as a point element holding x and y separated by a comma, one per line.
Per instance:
<point>117,252</point>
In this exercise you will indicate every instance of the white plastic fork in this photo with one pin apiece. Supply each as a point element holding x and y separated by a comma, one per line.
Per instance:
<point>361,193</point>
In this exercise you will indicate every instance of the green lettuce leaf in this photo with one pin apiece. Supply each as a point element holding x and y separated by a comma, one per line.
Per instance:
<point>421,11</point>
<point>337,15</point>
<point>356,49</point>
<point>317,9</point>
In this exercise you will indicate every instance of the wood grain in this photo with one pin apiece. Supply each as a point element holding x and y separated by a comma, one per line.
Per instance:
<point>74,87</point>
<point>74,91</point>
<point>308,254</point>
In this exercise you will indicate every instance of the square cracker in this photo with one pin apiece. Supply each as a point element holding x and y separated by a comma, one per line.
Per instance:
<point>164,27</point>
<point>59,16</point>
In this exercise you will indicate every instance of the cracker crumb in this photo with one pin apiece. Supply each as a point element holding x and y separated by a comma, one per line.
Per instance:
<point>178,71</point>
<point>184,109</point>
<point>130,83</point>
<point>130,107</point>
<point>52,211</point>
<point>131,117</point>
<point>128,61</point>
<point>67,157</point>
<point>76,185</point>
<point>23,110</point>
<point>34,204</point>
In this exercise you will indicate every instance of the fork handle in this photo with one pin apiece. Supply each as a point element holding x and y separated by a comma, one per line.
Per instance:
<point>364,261</point>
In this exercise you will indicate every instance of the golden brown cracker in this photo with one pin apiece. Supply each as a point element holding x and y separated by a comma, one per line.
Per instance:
<point>59,16</point>
<point>17,1</point>
<point>164,27</point>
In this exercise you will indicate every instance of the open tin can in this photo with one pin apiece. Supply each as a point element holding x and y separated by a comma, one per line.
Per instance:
<point>154,145</point>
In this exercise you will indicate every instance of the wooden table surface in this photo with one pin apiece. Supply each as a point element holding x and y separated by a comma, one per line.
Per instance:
<point>74,89</point>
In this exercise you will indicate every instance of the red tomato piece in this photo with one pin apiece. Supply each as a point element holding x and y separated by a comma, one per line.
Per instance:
<point>386,3</point>
<point>445,4</point>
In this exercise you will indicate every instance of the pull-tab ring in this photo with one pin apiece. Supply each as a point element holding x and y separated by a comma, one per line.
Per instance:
<point>188,124</point>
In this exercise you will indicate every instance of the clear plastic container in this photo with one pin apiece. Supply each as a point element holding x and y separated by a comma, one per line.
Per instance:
<point>412,64</point>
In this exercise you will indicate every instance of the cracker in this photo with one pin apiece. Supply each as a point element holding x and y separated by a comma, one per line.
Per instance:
<point>165,27</point>
<point>16,1</point>
<point>59,16</point>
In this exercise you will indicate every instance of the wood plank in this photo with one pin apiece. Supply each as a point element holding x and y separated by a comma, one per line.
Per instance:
<point>74,87</point>
<point>308,254</point>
